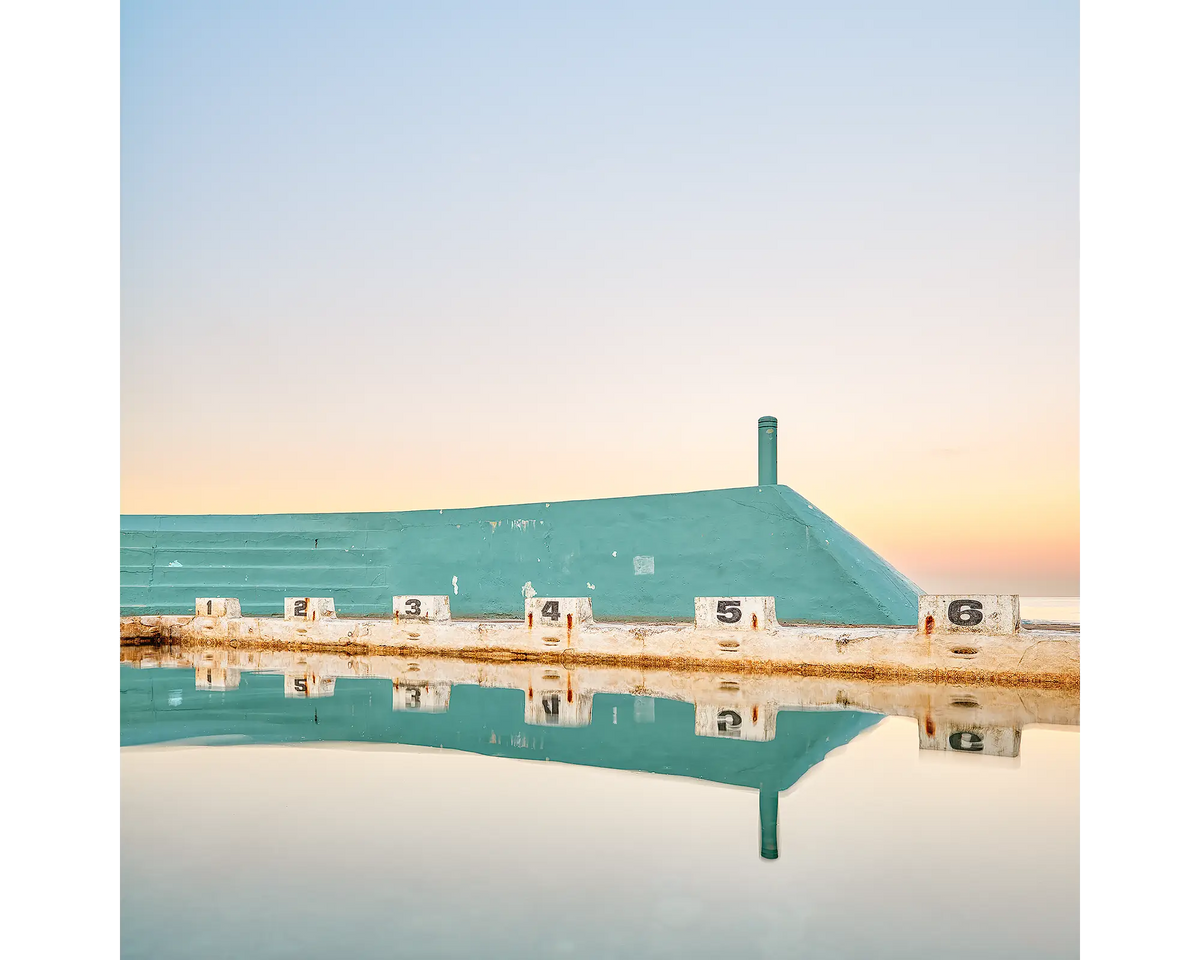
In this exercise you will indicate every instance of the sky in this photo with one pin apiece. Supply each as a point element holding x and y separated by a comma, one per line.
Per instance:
<point>398,256</point>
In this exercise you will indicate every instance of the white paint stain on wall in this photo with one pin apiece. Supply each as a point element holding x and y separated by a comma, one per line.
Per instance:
<point>528,591</point>
<point>643,566</point>
<point>591,586</point>
<point>455,582</point>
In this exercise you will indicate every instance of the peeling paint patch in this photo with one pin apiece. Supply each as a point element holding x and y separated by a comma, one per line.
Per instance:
<point>176,563</point>
<point>614,553</point>
<point>528,590</point>
<point>591,586</point>
<point>643,566</point>
<point>455,582</point>
<point>494,523</point>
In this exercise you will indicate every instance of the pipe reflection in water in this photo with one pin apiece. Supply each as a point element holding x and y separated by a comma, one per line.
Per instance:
<point>761,732</point>
<point>768,823</point>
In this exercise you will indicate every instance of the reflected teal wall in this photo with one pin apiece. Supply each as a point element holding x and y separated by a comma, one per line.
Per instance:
<point>160,705</point>
<point>746,541</point>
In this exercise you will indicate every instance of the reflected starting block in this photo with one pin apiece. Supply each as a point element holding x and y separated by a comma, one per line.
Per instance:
<point>551,701</point>
<point>307,685</point>
<point>421,697</point>
<point>217,677</point>
<point>736,721</point>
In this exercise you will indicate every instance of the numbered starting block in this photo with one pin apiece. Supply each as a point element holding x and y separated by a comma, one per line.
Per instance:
<point>307,685</point>
<point>218,607</point>
<point>735,613</point>
<point>565,612</point>
<point>989,614</point>
<point>736,721</point>
<point>421,697</point>
<point>308,608</point>
<point>421,609</point>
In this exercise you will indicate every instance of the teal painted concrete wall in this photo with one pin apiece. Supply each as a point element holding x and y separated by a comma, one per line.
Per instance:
<point>745,541</point>
<point>162,705</point>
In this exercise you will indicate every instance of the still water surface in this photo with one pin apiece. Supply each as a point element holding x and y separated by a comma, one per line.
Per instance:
<point>295,806</point>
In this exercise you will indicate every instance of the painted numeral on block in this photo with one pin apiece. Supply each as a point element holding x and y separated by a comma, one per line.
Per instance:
<point>992,614</point>
<point>735,613</point>
<point>308,608</point>
<point>421,608</point>
<point>565,612</point>
<point>218,607</point>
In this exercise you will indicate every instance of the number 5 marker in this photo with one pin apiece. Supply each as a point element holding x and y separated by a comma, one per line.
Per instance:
<point>735,613</point>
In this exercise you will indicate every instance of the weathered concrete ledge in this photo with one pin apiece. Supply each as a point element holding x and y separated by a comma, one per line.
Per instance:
<point>938,652</point>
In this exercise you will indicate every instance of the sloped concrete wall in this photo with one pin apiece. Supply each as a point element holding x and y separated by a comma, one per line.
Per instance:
<point>636,557</point>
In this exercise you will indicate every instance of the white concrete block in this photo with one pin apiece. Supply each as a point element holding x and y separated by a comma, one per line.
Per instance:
<point>218,607</point>
<point>755,721</point>
<point>308,608</point>
<point>307,684</point>
<point>217,677</point>
<point>424,609</point>
<point>989,614</point>
<point>421,697</point>
<point>735,613</point>
<point>566,612</point>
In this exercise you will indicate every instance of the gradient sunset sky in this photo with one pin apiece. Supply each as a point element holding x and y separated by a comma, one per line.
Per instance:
<point>382,256</point>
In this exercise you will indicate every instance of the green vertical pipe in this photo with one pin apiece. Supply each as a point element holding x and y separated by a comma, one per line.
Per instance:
<point>768,451</point>
<point>768,822</point>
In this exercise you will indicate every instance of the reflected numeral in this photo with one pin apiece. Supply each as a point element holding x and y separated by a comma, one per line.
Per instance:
<point>966,741</point>
<point>300,685</point>
<point>729,611</point>
<point>729,721</point>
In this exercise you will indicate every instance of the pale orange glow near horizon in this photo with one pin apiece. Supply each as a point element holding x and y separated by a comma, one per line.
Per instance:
<point>1011,527</point>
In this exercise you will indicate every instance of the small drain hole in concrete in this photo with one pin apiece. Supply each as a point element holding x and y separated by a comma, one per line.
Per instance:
<point>964,651</point>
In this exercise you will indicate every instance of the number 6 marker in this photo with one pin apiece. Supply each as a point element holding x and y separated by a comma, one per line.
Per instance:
<point>990,614</point>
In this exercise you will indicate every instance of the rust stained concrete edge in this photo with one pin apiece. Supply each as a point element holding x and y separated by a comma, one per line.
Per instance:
<point>1027,657</point>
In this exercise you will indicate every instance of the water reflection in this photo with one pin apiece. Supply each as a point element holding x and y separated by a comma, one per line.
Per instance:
<point>762,732</point>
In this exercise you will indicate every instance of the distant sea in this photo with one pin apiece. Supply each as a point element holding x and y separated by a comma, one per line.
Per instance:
<point>1065,609</point>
